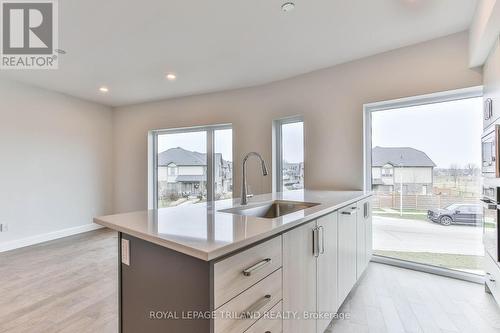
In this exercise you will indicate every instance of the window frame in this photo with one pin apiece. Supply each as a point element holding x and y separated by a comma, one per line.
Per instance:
<point>153,158</point>
<point>278,149</point>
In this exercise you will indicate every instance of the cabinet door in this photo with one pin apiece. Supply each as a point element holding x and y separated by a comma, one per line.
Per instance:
<point>368,230</point>
<point>364,235</point>
<point>347,251</point>
<point>327,295</point>
<point>360,239</point>
<point>491,81</point>
<point>299,278</point>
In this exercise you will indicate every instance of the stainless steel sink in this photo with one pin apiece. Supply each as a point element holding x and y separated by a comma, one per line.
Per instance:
<point>271,210</point>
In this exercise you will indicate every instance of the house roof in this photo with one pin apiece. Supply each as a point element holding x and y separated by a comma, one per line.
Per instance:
<point>180,156</point>
<point>405,156</point>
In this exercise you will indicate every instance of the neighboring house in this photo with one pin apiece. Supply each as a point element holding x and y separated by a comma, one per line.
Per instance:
<point>184,172</point>
<point>293,175</point>
<point>395,165</point>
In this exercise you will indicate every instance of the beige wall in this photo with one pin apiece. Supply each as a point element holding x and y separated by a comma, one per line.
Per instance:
<point>330,100</point>
<point>56,164</point>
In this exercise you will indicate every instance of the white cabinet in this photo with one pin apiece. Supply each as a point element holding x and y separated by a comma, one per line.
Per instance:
<point>346,251</point>
<point>491,84</point>
<point>310,273</point>
<point>327,268</point>
<point>320,265</point>
<point>299,277</point>
<point>492,275</point>
<point>363,236</point>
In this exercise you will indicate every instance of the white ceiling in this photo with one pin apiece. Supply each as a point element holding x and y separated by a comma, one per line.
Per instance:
<point>213,45</point>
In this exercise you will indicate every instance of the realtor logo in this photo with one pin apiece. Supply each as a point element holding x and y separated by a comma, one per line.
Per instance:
<point>29,34</point>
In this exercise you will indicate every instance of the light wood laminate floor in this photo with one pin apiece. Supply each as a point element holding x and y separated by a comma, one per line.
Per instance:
<point>70,285</point>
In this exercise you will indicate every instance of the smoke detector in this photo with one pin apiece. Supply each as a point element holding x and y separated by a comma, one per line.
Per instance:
<point>287,6</point>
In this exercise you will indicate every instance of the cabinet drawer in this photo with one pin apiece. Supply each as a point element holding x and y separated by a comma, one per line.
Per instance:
<point>258,299</point>
<point>492,277</point>
<point>271,322</point>
<point>242,270</point>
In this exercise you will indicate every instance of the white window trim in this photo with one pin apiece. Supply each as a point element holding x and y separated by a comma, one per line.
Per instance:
<point>277,149</point>
<point>153,158</point>
<point>368,109</point>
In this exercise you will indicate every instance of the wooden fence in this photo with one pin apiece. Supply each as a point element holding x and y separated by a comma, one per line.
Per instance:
<point>419,202</point>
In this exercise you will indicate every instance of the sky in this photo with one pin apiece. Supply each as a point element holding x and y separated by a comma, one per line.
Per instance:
<point>197,141</point>
<point>293,142</point>
<point>449,132</point>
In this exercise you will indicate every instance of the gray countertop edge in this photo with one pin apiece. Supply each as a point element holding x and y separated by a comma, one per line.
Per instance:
<point>232,247</point>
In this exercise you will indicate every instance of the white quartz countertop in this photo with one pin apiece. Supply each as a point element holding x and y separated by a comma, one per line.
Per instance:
<point>202,231</point>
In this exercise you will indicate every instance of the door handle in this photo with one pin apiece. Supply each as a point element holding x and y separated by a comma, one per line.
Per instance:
<point>316,251</point>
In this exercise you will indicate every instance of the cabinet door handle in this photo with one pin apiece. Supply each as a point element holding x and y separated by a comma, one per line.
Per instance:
<point>316,242</point>
<point>249,313</point>
<point>322,231</point>
<point>256,267</point>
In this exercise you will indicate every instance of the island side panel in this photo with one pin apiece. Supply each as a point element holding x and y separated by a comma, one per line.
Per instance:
<point>161,280</point>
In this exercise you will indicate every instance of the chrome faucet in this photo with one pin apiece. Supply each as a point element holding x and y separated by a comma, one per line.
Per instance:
<point>244,184</point>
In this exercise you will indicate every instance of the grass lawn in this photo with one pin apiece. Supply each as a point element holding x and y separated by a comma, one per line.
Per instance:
<point>446,260</point>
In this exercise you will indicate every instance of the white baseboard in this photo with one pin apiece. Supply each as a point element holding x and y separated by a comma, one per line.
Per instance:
<point>18,243</point>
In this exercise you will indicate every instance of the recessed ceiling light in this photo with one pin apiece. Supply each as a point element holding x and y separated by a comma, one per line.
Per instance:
<point>288,6</point>
<point>171,76</point>
<point>103,89</point>
<point>60,51</point>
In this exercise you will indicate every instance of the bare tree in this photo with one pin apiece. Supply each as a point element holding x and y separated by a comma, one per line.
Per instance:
<point>455,173</point>
<point>471,169</point>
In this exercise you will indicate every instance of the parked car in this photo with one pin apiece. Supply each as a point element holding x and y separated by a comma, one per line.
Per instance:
<point>470,214</point>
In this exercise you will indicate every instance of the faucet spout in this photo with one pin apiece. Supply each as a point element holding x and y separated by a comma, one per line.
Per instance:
<point>244,200</point>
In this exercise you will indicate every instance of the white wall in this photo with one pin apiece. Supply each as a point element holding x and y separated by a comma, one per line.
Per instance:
<point>330,100</point>
<point>484,30</point>
<point>191,170</point>
<point>56,164</point>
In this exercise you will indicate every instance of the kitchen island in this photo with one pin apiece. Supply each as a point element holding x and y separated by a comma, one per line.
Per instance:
<point>219,267</point>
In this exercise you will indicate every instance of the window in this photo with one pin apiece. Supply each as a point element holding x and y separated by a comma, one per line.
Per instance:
<point>172,170</point>
<point>387,171</point>
<point>223,158</point>
<point>435,181</point>
<point>289,154</point>
<point>191,165</point>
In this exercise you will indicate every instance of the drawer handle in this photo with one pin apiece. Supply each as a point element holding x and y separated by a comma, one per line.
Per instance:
<point>256,267</point>
<point>348,213</point>
<point>490,277</point>
<point>256,307</point>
